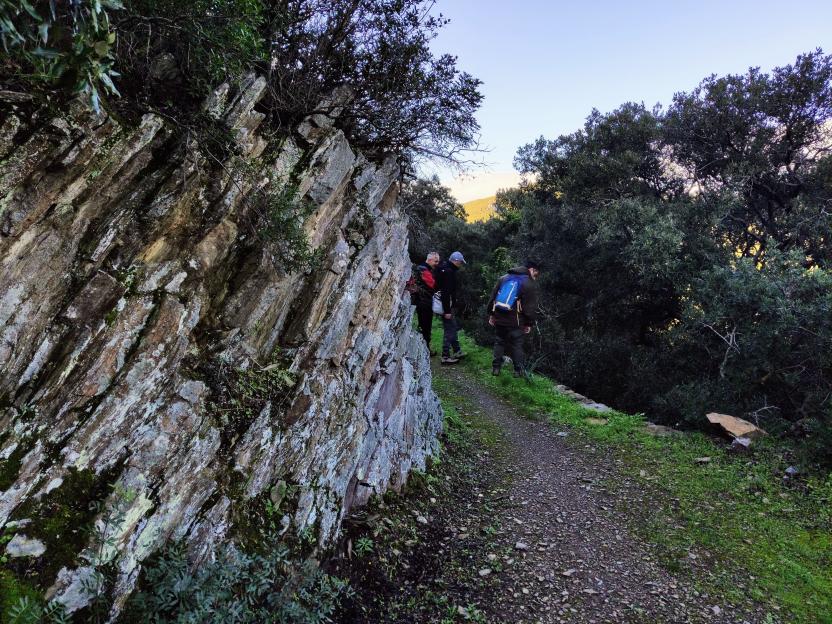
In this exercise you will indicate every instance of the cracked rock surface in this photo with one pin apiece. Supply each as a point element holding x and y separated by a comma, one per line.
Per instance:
<point>138,302</point>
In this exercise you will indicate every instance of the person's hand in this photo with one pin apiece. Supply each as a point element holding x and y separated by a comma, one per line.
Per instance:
<point>491,321</point>
<point>448,316</point>
<point>527,329</point>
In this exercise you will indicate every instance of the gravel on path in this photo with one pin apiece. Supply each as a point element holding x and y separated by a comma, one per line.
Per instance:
<point>537,534</point>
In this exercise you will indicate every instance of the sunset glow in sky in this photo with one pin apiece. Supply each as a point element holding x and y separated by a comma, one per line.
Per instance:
<point>545,65</point>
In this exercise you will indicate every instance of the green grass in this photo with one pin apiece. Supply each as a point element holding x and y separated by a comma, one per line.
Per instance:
<point>737,509</point>
<point>459,429</point>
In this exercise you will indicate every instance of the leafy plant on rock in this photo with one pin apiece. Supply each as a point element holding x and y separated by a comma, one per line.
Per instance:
<point>61,44</point>
<point>236,588</point>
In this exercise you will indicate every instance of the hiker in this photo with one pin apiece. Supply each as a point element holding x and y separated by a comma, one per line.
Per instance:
<point>425,288</point>
<point>512,311</point>
<point>447,285</point>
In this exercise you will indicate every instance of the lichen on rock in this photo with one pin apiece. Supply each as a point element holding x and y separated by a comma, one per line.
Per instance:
<point>131,271</point>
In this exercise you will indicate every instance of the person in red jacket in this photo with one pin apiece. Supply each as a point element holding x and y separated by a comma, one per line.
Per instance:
<point>512,310</point>
<point>425,289</point>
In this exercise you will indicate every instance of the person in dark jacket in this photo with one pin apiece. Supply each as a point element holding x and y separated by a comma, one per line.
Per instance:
<point>510,325</point>
<point>425,288</point>
<point>447,284</point>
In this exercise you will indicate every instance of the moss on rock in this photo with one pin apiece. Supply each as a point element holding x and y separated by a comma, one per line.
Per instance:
<point>63,520</point>
<point>10,467</point>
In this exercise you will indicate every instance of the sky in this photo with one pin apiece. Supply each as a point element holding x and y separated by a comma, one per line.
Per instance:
<point>546,65</point>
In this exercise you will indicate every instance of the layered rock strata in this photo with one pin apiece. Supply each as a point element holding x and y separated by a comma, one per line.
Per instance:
<point>162,366</point>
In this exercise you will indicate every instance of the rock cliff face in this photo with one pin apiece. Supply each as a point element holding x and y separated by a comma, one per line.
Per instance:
<point>150,339</point>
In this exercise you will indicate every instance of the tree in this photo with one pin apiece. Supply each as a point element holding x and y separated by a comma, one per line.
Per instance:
<point>426,202</point>
<point>756,148</point>
<point>614,156</point>
<point>165,56</point>
<point>687,250</point>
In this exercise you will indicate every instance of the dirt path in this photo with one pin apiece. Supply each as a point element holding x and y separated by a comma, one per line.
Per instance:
<point>522,526</point>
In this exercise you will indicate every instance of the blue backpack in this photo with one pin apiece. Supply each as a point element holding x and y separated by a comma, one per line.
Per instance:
<point>508,293</point>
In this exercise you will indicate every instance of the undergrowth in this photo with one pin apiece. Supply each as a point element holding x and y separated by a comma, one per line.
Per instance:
<point>237,587</point>
<point>741,509</point>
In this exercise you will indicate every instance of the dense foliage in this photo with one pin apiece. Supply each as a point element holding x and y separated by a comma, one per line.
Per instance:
<point>687,251</point>
<point>426,202</point>
<point>165,55</point>
<point>236,588</point>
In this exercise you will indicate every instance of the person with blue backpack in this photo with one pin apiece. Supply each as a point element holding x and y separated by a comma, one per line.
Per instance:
<point>512,310</point>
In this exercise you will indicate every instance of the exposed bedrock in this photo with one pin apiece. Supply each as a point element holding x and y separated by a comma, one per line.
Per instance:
<point>150,338</point>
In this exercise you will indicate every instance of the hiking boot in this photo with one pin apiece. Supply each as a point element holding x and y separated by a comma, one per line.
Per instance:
<point>458,355</point>
<point>446,359</point>
<point>495,371</point>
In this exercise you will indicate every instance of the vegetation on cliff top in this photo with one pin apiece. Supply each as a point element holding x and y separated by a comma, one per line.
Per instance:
<point>165,56</point>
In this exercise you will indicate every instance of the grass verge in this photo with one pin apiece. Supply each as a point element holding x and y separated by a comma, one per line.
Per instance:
<point>738,509</point>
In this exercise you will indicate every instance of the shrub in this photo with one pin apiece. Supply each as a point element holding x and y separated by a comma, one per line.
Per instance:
<point>236,588</point>
<point>166,55</point>
<point>688,265</point>
<point>63,44</point>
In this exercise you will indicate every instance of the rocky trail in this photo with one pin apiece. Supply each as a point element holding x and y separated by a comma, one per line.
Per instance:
<point>521,523</point>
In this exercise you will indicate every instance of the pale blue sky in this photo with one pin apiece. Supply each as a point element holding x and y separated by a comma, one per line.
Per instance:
<point>545,65</point>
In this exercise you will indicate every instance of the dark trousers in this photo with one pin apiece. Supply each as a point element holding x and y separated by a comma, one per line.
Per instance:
<point>509,339</point>
<point>449,336</point>
<point>425,316</point>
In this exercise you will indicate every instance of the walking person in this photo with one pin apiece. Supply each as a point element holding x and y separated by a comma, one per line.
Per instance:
<point>512,311</point>
<point>447,284</point>
<point>425,289</point>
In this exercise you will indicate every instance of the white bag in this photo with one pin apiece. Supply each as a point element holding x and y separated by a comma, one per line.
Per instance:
<point>437,304</point>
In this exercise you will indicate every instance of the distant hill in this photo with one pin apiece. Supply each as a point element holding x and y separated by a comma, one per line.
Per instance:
<point>479,209</point>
